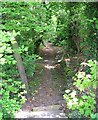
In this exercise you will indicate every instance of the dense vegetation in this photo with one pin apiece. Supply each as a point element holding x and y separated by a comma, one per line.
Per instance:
<point>73,26</point>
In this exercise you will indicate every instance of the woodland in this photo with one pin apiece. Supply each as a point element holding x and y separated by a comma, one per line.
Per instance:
<point>29,27</point>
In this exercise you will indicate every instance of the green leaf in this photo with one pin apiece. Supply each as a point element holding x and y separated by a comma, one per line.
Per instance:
<point>94,18</point>
<point>1,55</point>
<point>81,103</point>
<point>3,47</point>
<point>1,50</point>
<point>96,24</point>
<point>92,94</point>
<point>67,91</point>
<point>26,49</point>
<point>84,97</point>
<point>93,115</point>
<point>87,112</point>
<point>81,111</point>
<point>73,94</point>
<point>2,61</point>
<point>10,80</point>
<point>81,74</point>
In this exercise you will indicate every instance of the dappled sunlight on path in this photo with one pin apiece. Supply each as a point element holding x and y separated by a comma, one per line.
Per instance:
<point>49,91</point>
<point>49,66</point>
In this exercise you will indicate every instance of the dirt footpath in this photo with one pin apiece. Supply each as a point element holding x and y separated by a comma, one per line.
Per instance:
<point>48,92</point>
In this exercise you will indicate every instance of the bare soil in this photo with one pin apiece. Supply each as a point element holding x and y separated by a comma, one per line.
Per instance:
<point>49,90</point>
<point>52,82</point>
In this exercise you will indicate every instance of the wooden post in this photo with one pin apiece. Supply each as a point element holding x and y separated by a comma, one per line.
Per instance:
<point>21,68</point>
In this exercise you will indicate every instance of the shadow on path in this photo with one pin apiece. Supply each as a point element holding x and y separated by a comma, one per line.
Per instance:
<point>48,93</point>
<point>48,102</point>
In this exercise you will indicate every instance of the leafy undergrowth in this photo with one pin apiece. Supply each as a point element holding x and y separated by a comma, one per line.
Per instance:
<point>12,91</point>
<point>80,94</point>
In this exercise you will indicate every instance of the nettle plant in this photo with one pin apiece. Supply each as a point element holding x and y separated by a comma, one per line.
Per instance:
<point>82,96</point>
<point>11,89</point>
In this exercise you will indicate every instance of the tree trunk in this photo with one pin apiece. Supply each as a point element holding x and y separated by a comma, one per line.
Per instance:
<point>21,68</point>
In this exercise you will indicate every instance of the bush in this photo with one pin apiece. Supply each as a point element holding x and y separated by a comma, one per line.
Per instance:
<point>12,91</point>
<point>30,64</point>
<point>82,97</point>
<point>12,97</point>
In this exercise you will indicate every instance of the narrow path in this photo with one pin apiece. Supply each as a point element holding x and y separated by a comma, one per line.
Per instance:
<point>48,94</point>
<point>48,101</point>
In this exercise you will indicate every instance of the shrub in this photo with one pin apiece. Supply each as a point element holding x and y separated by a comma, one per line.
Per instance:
<point>82,97</point>
<point>12,91</point>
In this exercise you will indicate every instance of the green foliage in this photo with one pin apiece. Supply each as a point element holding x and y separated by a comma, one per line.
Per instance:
<point>29,19</point>
<point>12,91</point>
<point>60,25</point>
<point>82,97</point>
<point>12,97</point>
<point>68,73</point>
<point>30,64</point>
<point>5,48</point>
<point>74,114</point>
<point>72,25</point>
<point>94,116</point>
<point>76,27</point>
